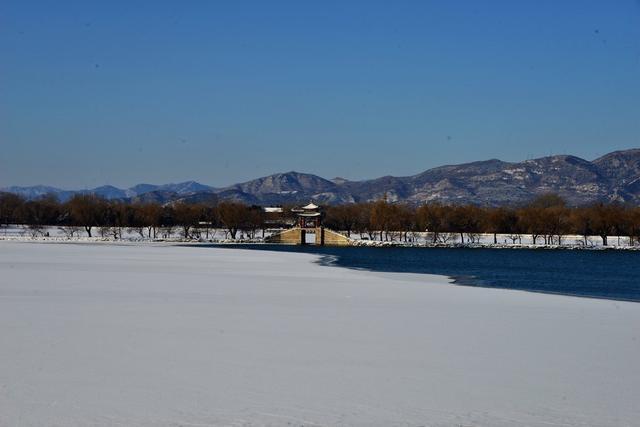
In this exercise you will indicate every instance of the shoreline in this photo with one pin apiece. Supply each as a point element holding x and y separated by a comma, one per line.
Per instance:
<point>355,243</point>
<point>356,239</point>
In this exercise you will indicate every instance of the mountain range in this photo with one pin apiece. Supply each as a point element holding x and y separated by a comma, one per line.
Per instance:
<point>612,177</point>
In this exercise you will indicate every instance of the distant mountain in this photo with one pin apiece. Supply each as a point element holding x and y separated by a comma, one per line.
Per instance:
<point>156,196</point>
<point>141,189</point>
<point>148,192</point>
<point>491,182</point>
<point>613,177</point>
<point>288,187</point>
<point>188,187</point>
<point>109,192</point>
<point>37,191</point>
<point>623,166</point>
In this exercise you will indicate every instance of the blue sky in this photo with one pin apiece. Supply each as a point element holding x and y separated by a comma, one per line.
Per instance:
<point>119,92</point>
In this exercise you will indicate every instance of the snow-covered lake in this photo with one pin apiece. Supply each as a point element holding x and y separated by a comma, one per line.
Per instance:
<point>156,335</point>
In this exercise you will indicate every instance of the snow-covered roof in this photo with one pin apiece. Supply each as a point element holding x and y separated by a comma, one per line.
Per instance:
<point>273,209</point>
<point>310,206</point>
<point>307,214</point>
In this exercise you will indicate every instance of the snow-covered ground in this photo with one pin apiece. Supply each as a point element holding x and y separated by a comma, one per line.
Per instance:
<point>54,234</point>
<point>160,335</point>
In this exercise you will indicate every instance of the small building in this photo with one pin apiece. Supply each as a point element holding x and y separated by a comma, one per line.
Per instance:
<point>309,216</point>
<point>275,217</point>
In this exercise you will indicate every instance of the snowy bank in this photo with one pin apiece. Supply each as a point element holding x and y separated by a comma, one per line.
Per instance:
<point>163,335</point>
<point>418,240</point>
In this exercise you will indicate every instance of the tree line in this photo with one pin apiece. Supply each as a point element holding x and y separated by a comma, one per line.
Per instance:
<point>546,219</point>
<point>90,214</point>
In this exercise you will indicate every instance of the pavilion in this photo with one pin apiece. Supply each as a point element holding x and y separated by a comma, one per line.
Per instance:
<point>309,216</point>
<point>309,229</point>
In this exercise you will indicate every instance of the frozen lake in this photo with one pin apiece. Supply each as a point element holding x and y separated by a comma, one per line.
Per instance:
<point>590,273</point>
<point>150,335</point>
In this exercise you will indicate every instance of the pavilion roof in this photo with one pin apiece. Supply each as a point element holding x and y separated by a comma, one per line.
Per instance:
<point>310,206</point>
<point>309,214</point>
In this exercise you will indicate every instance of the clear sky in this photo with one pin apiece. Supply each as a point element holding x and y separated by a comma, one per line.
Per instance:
<point>122,92</point>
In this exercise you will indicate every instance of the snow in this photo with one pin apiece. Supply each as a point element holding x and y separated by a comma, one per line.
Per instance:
<point>153,334</point>
<point>217,235</point>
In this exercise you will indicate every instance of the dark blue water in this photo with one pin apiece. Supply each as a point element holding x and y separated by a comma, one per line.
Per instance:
<point>597,274</point>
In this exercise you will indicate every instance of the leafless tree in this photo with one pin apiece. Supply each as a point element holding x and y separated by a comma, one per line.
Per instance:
<point>85,210</point>
<point>69,231</point>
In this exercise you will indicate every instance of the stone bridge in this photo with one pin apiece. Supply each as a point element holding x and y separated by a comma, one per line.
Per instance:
<point>298,236</point>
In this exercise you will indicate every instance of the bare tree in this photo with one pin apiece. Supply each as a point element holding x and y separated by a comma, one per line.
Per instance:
<point>10,207</point>
<point>69,231</point>
<point>85,211</point>
<point>187,217</point>
<point>151,218</point>
<point>433,218</point>
<point>500,220</point>
<point>233,216</point>
<point>603,219</point>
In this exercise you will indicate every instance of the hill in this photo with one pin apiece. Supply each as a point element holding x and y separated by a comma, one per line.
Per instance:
<point>612,177</point>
